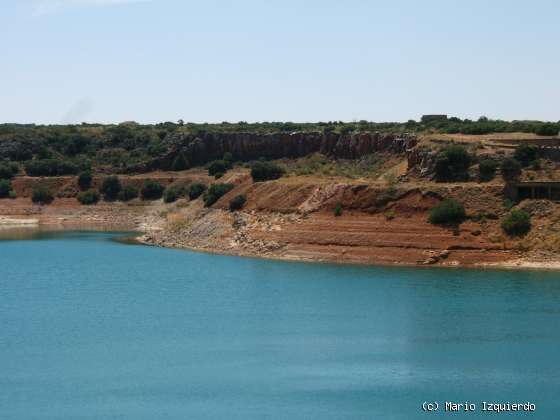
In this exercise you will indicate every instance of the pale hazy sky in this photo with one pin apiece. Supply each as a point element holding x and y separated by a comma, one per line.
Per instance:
<point>284,60</point>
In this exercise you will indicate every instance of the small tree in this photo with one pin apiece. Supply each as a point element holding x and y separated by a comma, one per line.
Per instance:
<point>152,190</point>
<point>516,223</point>
<point>89,197</point>
<point>487,169</point>
<point>338,209</point>
<point>449,211</point>
<point>84,180</point>
<point>8,170</point>
<point>237,202</point>
<point>111,187</point>
<point>196,190</point>
<point>129,192</point>
<point>511,169</point>
<point>548,129</point>
<point>170,195</point>
<point>180,163</point>
<point>218,166</point>
<point>215,192</point>
<point>5,188</point>
<point>452,164</point>
<point>42,195</point>
<point>525,154</point>
<point>265,171</point>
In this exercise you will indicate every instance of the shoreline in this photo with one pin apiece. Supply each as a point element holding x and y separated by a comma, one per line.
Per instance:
<point>520,266</point>
<point>135,236</point>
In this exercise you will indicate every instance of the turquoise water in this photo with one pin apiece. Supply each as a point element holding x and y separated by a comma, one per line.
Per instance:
<point>94,329</point>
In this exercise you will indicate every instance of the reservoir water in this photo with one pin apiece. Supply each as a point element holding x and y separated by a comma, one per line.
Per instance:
<point>91,328</point>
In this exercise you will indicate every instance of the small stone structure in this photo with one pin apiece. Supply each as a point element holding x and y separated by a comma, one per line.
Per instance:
<point>547,190</point>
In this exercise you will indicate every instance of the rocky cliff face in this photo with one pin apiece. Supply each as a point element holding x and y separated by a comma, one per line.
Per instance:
<point>251,146</point>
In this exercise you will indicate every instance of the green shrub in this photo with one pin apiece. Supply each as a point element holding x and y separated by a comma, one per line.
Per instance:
<point>196,190</point>
<point>50,167</point>
<point>218,175</point>
<point>338,209</point>
<point>218,166</point>
<point>215,192</point>
<point>525,154</point>
<point>42,195</point>
<point>265,171</point>
<point>128,192</point>
<point>89,197</point>
<point>228,157</point>
<point>487,169</point>
<point>84,180</point>
<point>180,163</point>
<point>511,169</point>
<point>5,188</point>
<point>170,195</point>
<point>151,190</point>
<point>516,223</point>
<point>535,165</point>
<point>12,194</point>
<point>452,164</point>
<point>8,170</point>
<point>508,204</point>
<point>449,211</point>
<point>111,187</point>
<point>547,129</point>
<point>237,202</point>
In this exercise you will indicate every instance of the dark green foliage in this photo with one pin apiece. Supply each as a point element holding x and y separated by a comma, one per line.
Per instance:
<point>196,190</point>
<point>218,166</point>
<point>237,202</point>
<point>487,169</point>
<point>228,157</point>
<point>548,130</point>
<point>151,190</point>
<point>215,192</point>
<point>265,171</point>
<point>511,169</point>
<point>452,164</point>
<point>89,197</point>
<point>42,195</point>
<point>180,163</point>
<point>74,145</point>
<point>5,188</point>
<point>8,170</point>
<point>12,194</point>
<point>535,165</point>
<point>508,204</point>
<point>525,154</point>
<point>50,167</point>
<point>449,211</point>
<point>84,180</point>
<point>516,223</point>
<point>338,209</point>
<point>128,192</point>
<point>171,194</point>
<point>132,143</point>
<point>111,187</point>
<point>218,175</point>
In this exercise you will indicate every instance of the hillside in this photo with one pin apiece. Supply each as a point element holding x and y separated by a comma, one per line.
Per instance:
<point>346,194</point>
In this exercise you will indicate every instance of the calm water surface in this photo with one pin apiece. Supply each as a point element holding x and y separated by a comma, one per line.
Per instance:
<point>94,329</point>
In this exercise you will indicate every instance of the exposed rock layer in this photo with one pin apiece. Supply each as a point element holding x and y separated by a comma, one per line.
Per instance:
<point>251,146</point>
